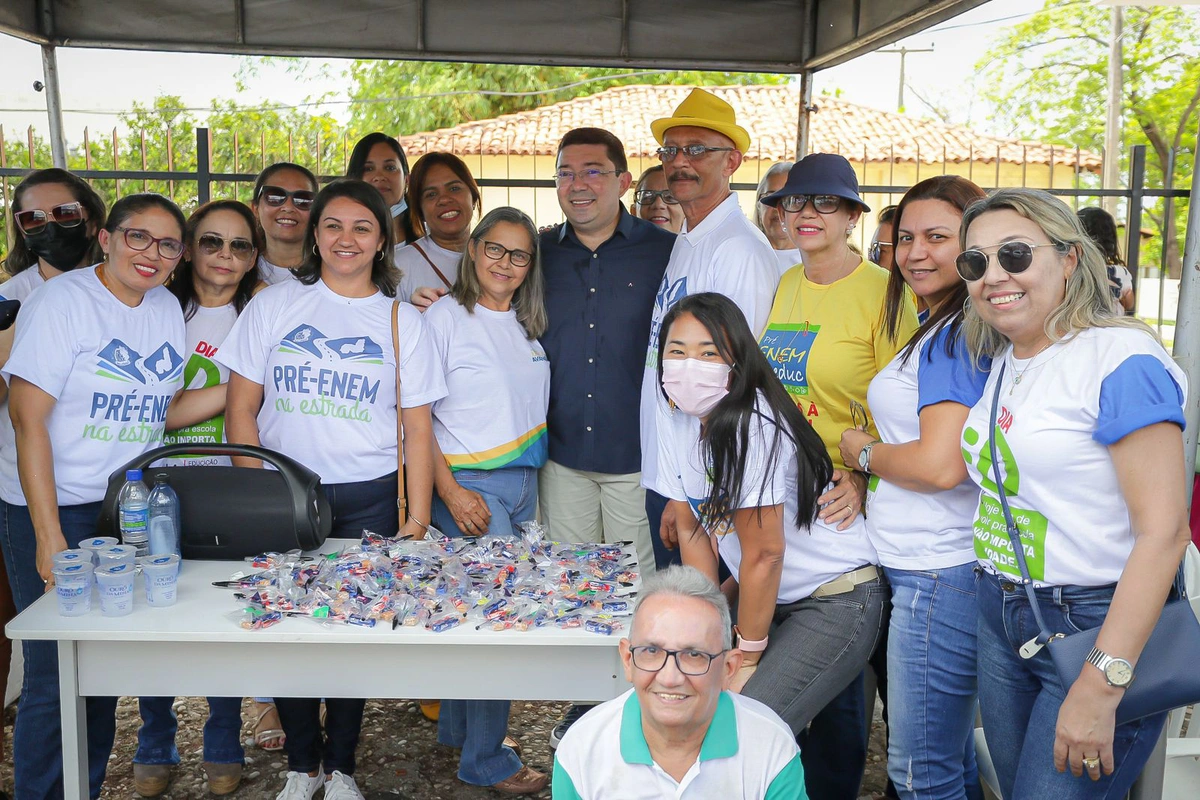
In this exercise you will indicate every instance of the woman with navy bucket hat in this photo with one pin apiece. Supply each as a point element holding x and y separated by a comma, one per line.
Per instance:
<point>826,340</point>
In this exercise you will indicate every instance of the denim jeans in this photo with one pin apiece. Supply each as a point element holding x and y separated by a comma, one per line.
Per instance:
<point>362,505</point>
<point>479,726</point>
<point>932,683</point>
<point>833,749</point>
<point>1019,698</point>
<point>656,504</point>
<point>37,735</point>
<point>222,731</point>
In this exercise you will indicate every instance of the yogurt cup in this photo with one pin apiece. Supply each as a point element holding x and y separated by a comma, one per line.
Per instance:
<point>162,576</point>
<point>97,543</point>
<point>116,554</point>
<point>73,585</point>
<point>72,557</point>
<point>114,582</point>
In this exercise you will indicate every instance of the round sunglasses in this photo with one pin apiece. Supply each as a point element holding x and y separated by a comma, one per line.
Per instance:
<point>276,196</point>
<point>823,203</point>
<point>34,221</point>
<point>210,244</point>
<point>1013,257</point>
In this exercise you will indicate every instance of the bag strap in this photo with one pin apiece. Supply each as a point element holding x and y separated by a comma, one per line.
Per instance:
<point>433,265</point>
<point>401,499</point>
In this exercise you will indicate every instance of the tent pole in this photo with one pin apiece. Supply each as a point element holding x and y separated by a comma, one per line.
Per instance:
<point>58,142</point>
<point>805,112</point>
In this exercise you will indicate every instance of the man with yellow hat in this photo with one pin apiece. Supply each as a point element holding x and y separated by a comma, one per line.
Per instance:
<point>719,250</point>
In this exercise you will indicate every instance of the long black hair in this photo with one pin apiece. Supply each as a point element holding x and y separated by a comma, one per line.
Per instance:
<point>384,274</point>
<point>183,284</point>
<point>1101,226</point>
<point>20,257</point>
<point>755,393</point>
<point>357,166</point>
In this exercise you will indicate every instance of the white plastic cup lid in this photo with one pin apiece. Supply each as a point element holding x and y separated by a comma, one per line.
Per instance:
<point>161,562</point>
<point>115,569</point>
<point>71,570</point>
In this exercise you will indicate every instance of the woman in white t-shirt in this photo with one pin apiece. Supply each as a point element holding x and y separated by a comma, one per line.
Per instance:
<point>313,376</point>
<point>490,433</point>
<point>769,219</point>
<point>283,198</point>
<point>1088,432</point>
<point>750,468</point>
<point>442,198</point>
<point>920,502</point>
<point>94,370</point>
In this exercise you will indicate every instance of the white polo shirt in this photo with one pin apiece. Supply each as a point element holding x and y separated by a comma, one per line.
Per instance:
<point>786,259</point>
<point>725,254</point>
<point>604,756</point>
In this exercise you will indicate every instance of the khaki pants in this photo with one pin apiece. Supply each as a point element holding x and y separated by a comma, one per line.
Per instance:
<point>578,506</point>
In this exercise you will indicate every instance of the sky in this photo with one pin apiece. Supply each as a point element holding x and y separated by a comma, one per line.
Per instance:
<point>129,76</point>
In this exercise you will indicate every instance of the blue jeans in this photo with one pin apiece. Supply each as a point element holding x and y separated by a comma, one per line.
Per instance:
<point>664,557</point>
<point>479,726</point>
<point>932,683</point>
<point>222,731</point>
<point>1019,698</point>
<point>833,749</point>
<point>37,736</point>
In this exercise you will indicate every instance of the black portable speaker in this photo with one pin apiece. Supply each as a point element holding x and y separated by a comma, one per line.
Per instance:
<point>233,512</point>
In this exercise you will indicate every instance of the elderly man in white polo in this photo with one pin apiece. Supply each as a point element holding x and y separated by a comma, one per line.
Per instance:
<point>677,733</point>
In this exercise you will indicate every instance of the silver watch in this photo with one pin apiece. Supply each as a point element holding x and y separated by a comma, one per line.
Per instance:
<point>1117,671</point>
<point>864,456</point>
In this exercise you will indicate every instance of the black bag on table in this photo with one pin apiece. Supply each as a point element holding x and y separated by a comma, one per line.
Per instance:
<point>229,513</point>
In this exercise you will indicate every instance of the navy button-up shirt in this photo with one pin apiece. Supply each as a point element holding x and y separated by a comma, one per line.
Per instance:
<point>599,305</point>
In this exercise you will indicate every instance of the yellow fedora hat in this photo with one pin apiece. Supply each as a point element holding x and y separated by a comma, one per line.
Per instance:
<point>701,109</point>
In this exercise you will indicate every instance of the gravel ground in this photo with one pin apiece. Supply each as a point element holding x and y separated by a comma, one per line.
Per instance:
<point>398,755</point>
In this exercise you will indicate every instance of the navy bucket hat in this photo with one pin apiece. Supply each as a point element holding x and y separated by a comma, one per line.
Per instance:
<point>820,173</point>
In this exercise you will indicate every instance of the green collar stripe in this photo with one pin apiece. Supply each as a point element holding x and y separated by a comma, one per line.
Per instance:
<point>719,742</point>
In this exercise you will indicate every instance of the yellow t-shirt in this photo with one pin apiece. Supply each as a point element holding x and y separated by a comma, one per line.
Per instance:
<point>827,341</point>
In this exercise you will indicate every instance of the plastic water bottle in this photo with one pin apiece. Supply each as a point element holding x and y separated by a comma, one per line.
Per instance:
<point>134,505</point>
<point>164,518</point>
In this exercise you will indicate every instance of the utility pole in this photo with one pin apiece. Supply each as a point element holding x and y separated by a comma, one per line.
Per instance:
<point>903,52</point>
<point>1112,125</point>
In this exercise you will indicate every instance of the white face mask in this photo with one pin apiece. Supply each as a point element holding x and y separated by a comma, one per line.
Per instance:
<point>398,209</point>
<point>695,386</point>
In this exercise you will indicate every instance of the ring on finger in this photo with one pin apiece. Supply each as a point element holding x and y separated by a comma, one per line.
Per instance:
<point>1091,763</point>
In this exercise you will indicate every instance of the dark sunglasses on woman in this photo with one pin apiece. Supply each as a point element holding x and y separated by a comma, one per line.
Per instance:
<point>276,196</point>
<point>35,220</point>
<point>1013,257</point>
<point>211,244</point>
<point>823,203</point>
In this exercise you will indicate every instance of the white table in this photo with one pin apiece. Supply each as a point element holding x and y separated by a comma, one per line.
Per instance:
<point>196,648</point>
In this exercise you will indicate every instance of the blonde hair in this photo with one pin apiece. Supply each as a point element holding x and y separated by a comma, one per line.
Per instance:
<point>1087,302</point>
<point>529,299</point>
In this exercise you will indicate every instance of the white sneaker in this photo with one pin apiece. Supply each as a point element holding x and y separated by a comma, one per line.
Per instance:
<point>342,787</point>
<point>300,786</point>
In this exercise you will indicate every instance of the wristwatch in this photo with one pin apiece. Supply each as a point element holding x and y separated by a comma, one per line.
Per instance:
<point>864,456</point>
<point>1117,671</point>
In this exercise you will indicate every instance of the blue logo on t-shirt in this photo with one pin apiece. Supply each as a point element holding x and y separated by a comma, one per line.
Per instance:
<point>786,348</point>
<point>121,362</point>
<point>307,339</point>
<point>670,293</point>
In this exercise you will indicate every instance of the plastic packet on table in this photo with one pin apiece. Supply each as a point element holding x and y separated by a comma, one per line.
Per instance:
<point>444,622</point>
<point>256,619</point>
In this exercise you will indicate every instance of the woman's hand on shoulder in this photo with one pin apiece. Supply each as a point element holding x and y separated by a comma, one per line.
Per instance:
<point>426,296</point>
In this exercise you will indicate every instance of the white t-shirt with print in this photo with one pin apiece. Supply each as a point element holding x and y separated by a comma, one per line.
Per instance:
<point>415,270</point>
<point>112,371</point>
<point>494,415</point>
<point>1073,400</point>
<point>206,330</point>
<point>812,555</point>
<point>921,530</point>
<point>21,285</point>
<point>328,373</point>
<point>271,274</point>
<point>726,254</point>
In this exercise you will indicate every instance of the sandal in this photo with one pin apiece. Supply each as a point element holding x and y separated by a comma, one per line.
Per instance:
<point>267,727</point>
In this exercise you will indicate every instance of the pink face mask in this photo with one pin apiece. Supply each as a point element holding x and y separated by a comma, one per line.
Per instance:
<point>695,386</point>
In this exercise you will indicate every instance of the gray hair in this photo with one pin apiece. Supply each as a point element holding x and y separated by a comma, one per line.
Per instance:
<point>778,168</point>
<point>529,299</point>
<point>680,581</point>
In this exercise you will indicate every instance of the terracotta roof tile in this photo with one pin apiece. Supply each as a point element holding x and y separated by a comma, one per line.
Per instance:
<point>768,112</point>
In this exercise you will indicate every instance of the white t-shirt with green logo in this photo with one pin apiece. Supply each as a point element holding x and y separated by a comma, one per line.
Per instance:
<point>112,371</point>
<point>1055,424</point>
<point>328,373</point>
<point>206,330</point>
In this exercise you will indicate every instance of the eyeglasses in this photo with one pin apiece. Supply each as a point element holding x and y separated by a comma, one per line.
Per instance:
<point>275,196</point>
<point>646,197</point>
<point>518,258</point>
<point>1013,257</point>
<point>140,240</point>
<point>823,203</point>
<point>651,658</point>
<point>566,176</point>
<point>667,152</point>
<point>875,251</point>
<point>210,244</point>
<point>35,220</point>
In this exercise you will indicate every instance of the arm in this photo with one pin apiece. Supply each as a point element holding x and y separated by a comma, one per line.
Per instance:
<point>931,463</point>
<point>1149,465</point>
<point>30,409</point>
<point>195,405</point>
<point>760,534</point>
<point>245,398</point>
<point>418,468</point>
<point>465,505</point>
<point>697,547</point>
<point>425,296</point>
<point>6,342</point>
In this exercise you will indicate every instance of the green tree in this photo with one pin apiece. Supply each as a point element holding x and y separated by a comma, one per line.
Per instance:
<point>1047,78</point>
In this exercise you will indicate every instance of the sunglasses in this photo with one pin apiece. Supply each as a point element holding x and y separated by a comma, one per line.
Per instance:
<point>275,196</point>
<point>34,220</point>
<point>210,244</point>
<point>823,203</point>
<point>1013,257</point>
<point>875,251</point>
<point>668,152</point>
<point>140,240</point>
<point>646,197</point>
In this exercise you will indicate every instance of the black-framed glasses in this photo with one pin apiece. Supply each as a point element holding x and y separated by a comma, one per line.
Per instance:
<point>822,203</point>
<point>566,176</point>
<point>652,658</point>
<point>1013,257</point>
<point>140,240</point>
<point>276,196</point>
<point>875,251</point>
<point>35,220</point>
<point>210,244</point>
<point>496,251</point>
<point>667,152</point>
<point>646,197</point>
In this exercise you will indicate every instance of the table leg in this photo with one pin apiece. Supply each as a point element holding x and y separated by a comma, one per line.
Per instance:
<point>74,722</point>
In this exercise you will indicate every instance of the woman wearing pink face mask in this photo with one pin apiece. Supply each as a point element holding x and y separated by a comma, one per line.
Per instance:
<point>737,450</point>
